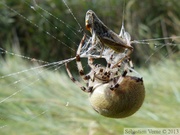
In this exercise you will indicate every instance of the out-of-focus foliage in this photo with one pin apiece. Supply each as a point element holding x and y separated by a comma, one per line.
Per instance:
<point>48,103</point>
<point>143,20</point>
<point>39,101</point>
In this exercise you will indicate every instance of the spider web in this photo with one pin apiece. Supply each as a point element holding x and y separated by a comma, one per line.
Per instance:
<point>37,91</point>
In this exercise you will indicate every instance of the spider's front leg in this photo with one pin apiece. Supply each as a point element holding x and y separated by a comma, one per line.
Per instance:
<point>78,62</point>
<point>80,69</point>
<point>89,78</point>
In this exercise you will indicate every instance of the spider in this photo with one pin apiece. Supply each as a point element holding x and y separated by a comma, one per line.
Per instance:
<point>112,94</point>
<point>101,32</point>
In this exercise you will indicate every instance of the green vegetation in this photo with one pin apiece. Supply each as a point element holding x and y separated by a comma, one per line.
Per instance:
<point>43,101</point>
<point>143,20</point>
<point>47,102</point>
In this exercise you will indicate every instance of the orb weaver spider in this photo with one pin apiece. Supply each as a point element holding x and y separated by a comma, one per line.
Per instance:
<point>112,94</point>
<point>106,36</point>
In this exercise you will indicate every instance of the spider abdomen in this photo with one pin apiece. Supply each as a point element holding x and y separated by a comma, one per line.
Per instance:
<point>121,102</point>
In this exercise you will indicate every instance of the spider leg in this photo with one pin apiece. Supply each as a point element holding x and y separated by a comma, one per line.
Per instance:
<point>113,71</point>
<point>120,79</point>
<point>93,38</point>
<point>79,64</point>
<point>98,73</point>
<point>74,80</point>
<point>130,64</point>
<point>125,57</point>
<point>87,78</point>
<point>90,62</point>
<point>80,69</point>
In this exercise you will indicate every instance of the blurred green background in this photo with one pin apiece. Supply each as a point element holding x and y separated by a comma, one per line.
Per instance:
<point>39,101</point>
<point>143,20</point>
